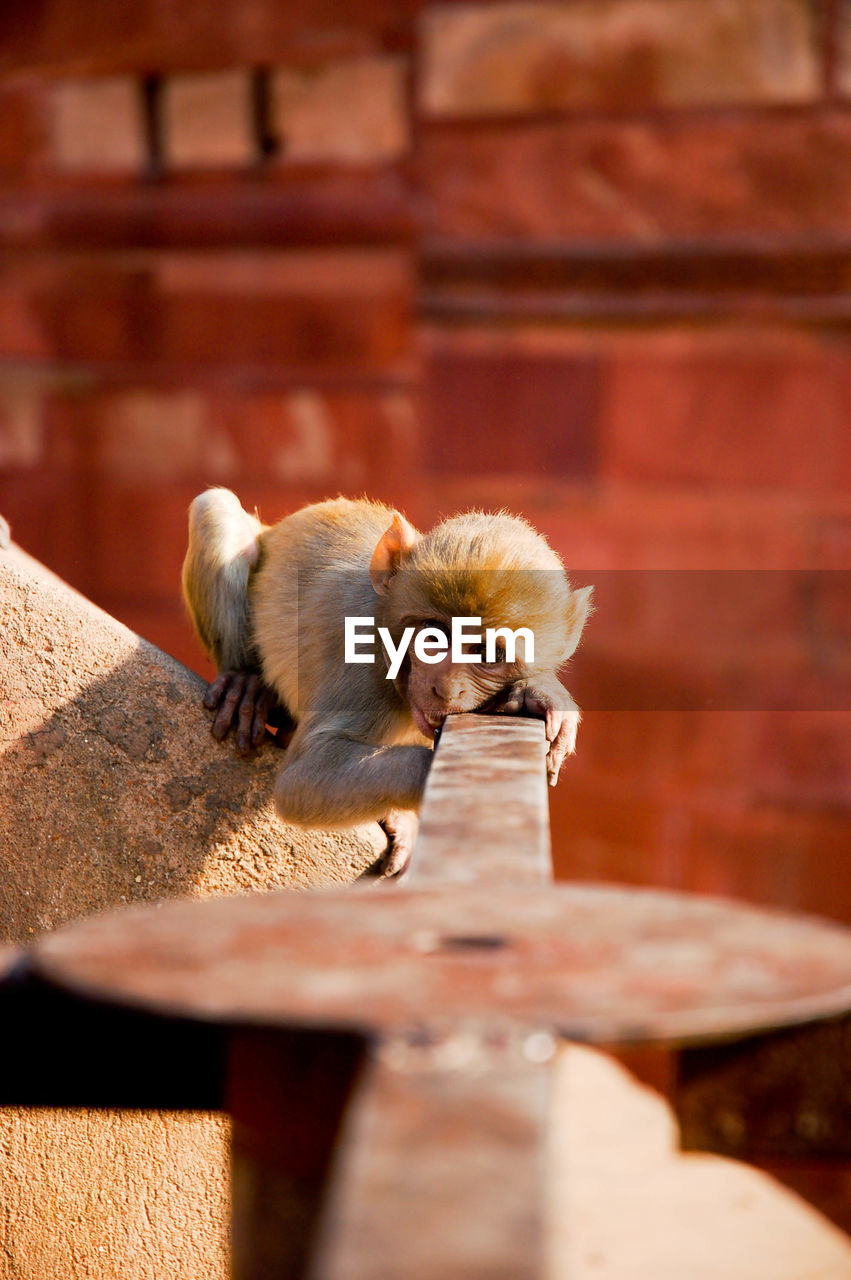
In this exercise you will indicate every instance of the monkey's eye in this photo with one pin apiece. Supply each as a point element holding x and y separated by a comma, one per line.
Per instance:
<point>499,654</point>
<point>434,624</point>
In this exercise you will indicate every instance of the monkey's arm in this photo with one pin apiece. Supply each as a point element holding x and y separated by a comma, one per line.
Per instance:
<point>545,698</point>
<point>329,779</point>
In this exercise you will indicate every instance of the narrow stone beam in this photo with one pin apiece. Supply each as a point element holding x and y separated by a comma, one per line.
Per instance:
<point>484,817</point>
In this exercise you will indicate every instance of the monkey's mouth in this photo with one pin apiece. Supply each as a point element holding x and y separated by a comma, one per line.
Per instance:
<point>427,724</point>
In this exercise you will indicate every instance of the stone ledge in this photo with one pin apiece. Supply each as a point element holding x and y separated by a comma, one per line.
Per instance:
<point>114,790</point>
<point>118,791</point>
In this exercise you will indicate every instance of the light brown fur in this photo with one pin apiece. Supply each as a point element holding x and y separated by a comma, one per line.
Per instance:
<point>276,597</point>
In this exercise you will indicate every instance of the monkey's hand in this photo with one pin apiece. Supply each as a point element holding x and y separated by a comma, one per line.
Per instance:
<point>400,826</point>
<point>545,699</point>
<point>242,702</point>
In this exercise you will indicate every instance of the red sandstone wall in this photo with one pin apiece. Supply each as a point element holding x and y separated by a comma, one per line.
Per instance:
<point>589,260</point>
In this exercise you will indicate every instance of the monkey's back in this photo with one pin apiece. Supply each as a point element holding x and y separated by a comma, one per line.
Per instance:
<point>313,572</point>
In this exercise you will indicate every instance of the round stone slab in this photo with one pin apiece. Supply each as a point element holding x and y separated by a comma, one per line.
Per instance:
<point>593,963</point>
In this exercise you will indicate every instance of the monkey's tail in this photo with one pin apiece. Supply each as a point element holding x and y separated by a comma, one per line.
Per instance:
<point>223,550</point>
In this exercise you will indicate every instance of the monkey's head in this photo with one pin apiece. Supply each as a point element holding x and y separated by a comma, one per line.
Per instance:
<point>495,569</point>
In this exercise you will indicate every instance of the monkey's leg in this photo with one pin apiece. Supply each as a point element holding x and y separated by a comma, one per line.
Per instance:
<point>243,702</point>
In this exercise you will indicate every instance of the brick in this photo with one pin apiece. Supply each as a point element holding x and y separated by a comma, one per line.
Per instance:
<point>148,435</point>
<point>135,531</point>
<point>513,58</point>
<point>770,413</point>
<point>639,180</point>
<point>207,121</point>
<point>306,207</point>
<point>297,437</point>
<point>472,400</point>
<point>347,112</point>
<point>354,441</point>
<point>144,35</point>
<point>314,311</point>
<point>97,125</point>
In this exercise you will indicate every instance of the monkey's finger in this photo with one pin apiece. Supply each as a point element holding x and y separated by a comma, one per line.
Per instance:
<point>228,706</point>
<point>215,691</point>
<point>564,744</point>
<point>555,759</point>
<point>542,707</point>
<point>510,703</point>
<point>263,708</point>
<point>245,715</point>
<point>396,860</point>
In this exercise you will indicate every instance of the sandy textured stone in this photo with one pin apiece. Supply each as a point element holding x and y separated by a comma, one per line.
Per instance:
<point>506,58</point>
<point>353,111</point>
<point>97,125</point>
<point>207,120</point>
<point>114,791</point>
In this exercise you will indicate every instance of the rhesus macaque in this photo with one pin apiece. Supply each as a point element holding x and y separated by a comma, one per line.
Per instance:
<point>270,603</point>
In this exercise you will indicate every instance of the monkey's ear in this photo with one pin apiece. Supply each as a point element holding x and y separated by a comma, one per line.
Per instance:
<point>577,613</point>
<point>392,548</point>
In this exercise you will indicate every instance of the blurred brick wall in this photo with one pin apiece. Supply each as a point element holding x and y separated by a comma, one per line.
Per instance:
<point>589,260</point>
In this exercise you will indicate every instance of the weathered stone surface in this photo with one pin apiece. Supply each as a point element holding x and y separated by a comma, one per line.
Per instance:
<point>501,58</point>
<point>352,111</point>
<point>97,125</point>
<point>113,791</point>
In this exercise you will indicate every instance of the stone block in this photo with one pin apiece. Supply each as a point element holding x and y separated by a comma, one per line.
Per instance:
<point>641,180</point>
<point>97,125</point>
<point>346,112</point>
<point>705,410</point>
<point>207,120</point>
<point>514,58</point>
<point>505,393</point>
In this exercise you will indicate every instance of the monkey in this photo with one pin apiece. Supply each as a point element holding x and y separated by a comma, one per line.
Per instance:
<point>270,603</point>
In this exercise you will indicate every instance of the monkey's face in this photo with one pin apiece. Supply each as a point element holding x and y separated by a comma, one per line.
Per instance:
<point>448,683</point>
